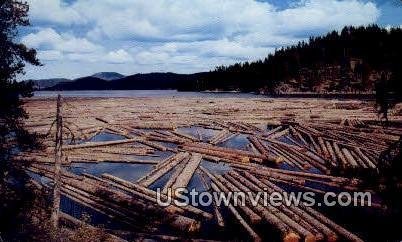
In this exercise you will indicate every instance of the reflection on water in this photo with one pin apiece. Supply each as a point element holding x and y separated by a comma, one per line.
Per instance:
<point>155,156</point>
<point>129,172</point>
<point>80,211</point>
<point>196,131</point>
<point>160,183</point>
<point>286,166</point>
<point>106,136</point>
<point>219,168</point>
<point>239,141</point>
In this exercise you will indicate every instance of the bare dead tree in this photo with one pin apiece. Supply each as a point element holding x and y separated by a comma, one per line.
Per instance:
<point>57,161</point>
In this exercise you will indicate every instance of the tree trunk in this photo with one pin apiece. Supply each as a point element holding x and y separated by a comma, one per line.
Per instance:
<point>57,162</point>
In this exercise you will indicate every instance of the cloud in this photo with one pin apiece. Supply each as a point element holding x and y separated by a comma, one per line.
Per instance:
<point>181,20</point>
<point>50,55</point>
<point>181,35</point>
<point>55,11</point>
<point>197,20</point>
<point>49,39</point>
<point>118,57</point>
<point>327,14</point>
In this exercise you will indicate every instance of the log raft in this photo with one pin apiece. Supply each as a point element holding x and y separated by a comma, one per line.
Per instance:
<point>335,141</point>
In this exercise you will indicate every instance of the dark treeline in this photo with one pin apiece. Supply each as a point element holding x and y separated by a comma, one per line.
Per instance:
<point>352,59</point>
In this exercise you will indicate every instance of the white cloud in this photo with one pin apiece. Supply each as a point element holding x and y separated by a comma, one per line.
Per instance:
<point>118,57</point>
<point>182,35</point>
<point>55,11</point>
<point>327,14</point>
<point>51,40</point>
<point>50,55</point>
<point>202,19</point>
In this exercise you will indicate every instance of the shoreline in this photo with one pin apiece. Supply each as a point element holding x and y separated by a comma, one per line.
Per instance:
<point>194,94</point>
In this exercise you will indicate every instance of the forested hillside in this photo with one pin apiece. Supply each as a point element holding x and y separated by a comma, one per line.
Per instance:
<point>350,60</point>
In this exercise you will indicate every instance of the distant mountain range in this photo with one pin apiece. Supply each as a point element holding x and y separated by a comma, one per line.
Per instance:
<point>46,83</point>
<point>108,76</point>
<point>100,77</point>
<point>115,81</point>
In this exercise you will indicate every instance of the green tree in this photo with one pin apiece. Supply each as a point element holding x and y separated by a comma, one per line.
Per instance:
<point>13,57</point>
<point>14,195</point>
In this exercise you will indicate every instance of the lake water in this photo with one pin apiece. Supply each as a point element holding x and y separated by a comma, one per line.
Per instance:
<point>141,93</point>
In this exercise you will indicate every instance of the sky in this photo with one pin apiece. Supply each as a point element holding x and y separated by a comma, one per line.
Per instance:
<point>76,38</point>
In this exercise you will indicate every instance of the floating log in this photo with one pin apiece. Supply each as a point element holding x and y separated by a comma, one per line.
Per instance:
<point>227,187</point>
<point>153,145</point>
<point>278,134</point>
<point>298,135</point>
<point>217,214</point>
<point>266,171</point>
<point>178,170</point>
<point>97,207</point>
<point>349,158</point>
<point>153,195</point>
<point>221,153</point>
<point>322,218</point>
<point>340,155</point>
<point>227,150</point>
<point>87,191</point>
<point>70,221</point>
<point>149,125</point>
<point>254,236</point>
<point>219,136</point>
<point>285,156</point>
<point>272,131</point>
<point>183,135</point>
<point>102,120</point>
<point>228,137</point>
<point>359,160</point>
<point>323,147</point>
<point>253,217</point>
<point>99,144</point>
<point>308,134</point>
<point>365,158</point>
<point>159,172</point>
<point>287,234</point>
<point>259,145</point>
<point>329,234</point>
<point>110,209</point>
<point>332,154</point>
<point>187,173</point>
<point>339,229</point>
<point>275,210</point>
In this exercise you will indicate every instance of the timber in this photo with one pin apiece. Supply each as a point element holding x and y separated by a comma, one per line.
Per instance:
<point>320,153</point>
<point>159,172</point>
<point>187,173</point>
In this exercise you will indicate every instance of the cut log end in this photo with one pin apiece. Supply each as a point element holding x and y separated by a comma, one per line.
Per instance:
<point>186,224</point>
<point>279,160</point>
<point>245,159</point>
<point>291,237</point>
<point>194,227</point>
<point>310,238</point>
<point>332,238</point>
<point>319,237</point>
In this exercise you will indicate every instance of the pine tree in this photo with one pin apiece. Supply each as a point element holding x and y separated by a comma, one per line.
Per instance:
<point>13,57</point>
<point>14,195</point>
